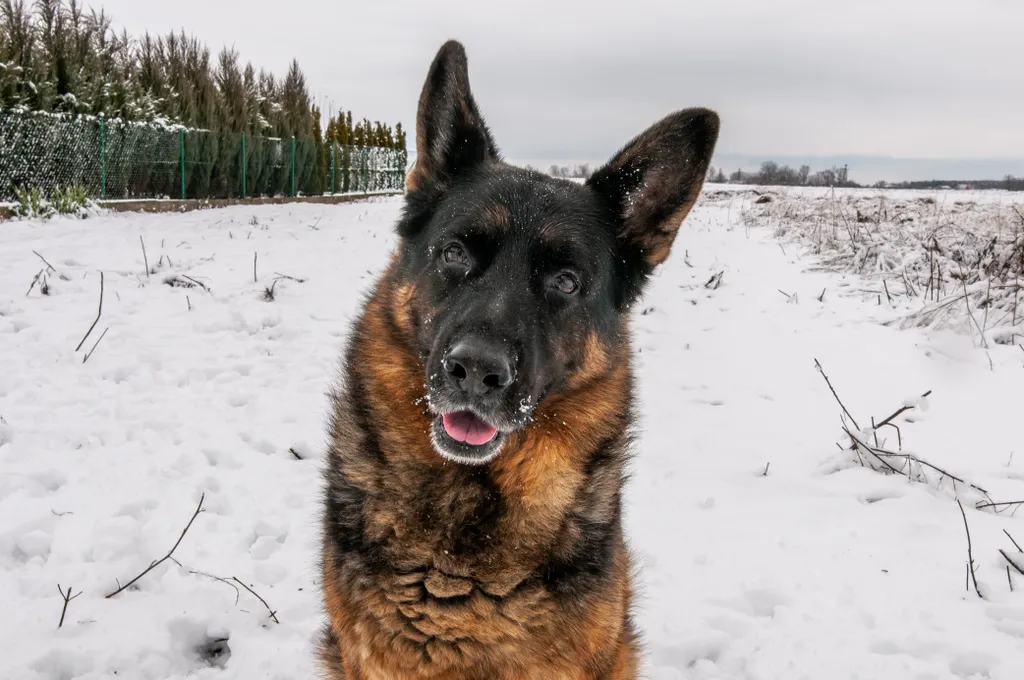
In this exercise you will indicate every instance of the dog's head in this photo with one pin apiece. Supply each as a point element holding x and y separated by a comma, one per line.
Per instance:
<point>517,283</point>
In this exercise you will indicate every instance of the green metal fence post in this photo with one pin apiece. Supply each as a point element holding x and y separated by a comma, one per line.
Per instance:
<point>244,195</point>
<point>366,183</point>
<point>293,166</point>
<point>181,144</point>
<point>103,158</point>
<point>333,163</point>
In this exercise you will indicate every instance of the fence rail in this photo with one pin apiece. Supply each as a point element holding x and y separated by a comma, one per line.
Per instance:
<point>116,159</point>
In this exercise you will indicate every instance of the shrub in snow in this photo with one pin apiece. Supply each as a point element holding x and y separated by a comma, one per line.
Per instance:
<point>66,200</point>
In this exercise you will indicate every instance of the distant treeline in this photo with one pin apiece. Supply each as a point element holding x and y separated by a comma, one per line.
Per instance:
<point>1009,183</point>
<point>772,174</point>
<point>575,172</point>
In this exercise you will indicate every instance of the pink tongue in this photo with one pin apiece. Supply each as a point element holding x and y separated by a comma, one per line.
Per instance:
<point>463,426</point>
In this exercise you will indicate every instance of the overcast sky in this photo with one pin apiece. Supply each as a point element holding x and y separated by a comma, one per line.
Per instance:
<point>572,81</point>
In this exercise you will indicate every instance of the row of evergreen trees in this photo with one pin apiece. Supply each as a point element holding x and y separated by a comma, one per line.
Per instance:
<point>59,57</point>
<point>341,131</point>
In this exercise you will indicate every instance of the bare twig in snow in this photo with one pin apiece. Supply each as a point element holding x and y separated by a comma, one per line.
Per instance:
<point>828,382</point>
<point>198,283</point>
<point>1016,293</point>
<point>290,278</point>
<point>821,298</point>
<point>273,614</point>
<point>988,304</point>
<point>1019,214</point>
<point>99,313</point>
<point>189,303</point>
<point>268,291</point>
<point>35,280</point>
<point>235,579</point>
<point>238,593</point>
<point>911,291</point>
<point>967,303</point>
<point>767,465</point>
<point>1015,544</point>
<point>876,453</point>
<point>254,257</point>
<point>970,553</point>
<point>145,258</point>
<point>157,563</point>
<point>1016,567</point>
<point>314,226</point>
<point>48,265</point>
<point>909,460</point>
<point>881,460</point>
<point>901,411</point>
<point>67,598</point>
<point>89,353</point>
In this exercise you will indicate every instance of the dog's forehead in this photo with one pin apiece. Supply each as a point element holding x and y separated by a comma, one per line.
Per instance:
<point>514,203</point>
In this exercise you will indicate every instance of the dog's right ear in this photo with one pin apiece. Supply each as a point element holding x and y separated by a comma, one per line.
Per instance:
<point>451,136</point>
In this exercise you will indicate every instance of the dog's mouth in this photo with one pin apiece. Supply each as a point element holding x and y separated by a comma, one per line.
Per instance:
<point>465,437</point>
<point>468,428</point>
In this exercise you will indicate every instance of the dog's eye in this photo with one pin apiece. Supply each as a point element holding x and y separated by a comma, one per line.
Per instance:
<point>455,254</point>
<point>566,283</point>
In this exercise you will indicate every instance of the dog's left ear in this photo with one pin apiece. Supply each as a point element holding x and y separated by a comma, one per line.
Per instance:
<point>652,183</point>
<point>451,136</point>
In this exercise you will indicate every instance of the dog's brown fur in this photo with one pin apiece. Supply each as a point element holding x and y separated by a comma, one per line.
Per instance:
<point>465,599</point>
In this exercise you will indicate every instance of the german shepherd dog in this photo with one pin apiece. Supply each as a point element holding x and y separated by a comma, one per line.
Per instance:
<point>472,512</point>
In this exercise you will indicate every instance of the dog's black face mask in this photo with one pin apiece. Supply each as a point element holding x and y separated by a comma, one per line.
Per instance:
<point>518,276</point>
<point>511,269</point>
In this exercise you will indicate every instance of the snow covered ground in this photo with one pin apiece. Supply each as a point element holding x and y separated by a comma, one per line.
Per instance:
<point>767,551</point>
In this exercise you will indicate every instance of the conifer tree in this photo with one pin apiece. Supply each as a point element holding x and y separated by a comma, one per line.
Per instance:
<point>341,130</point>
<point>318,182</point>
<point>400,137</point>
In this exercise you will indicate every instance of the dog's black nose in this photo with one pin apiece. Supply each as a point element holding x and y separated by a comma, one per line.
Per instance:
<point>479,368</point>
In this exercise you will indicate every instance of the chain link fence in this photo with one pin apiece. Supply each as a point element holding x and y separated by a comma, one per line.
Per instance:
<point>116,159</point>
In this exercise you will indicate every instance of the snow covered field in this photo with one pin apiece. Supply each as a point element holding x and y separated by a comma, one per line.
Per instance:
<point>767,551</point>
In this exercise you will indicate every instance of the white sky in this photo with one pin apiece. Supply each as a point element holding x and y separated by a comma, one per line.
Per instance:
<point>922,79</point>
